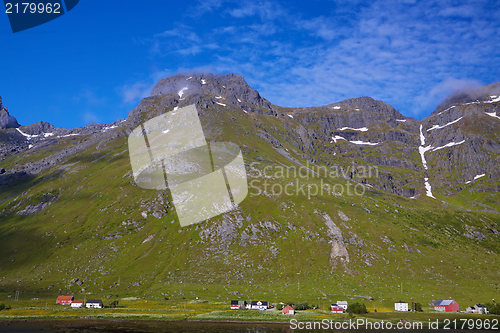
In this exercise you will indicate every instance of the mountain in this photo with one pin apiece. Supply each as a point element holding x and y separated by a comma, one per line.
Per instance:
<point>375,199</point>
<point>6,120</point>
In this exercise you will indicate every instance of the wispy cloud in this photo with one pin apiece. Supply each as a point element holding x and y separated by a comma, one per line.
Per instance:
<point>265,10</point>
<point>408,53</point>
<point>137,90</point>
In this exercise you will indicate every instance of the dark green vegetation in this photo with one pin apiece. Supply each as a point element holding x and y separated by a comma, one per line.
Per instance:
<point>493,308</point>
<point>356,308</point>
<point>122,241</point>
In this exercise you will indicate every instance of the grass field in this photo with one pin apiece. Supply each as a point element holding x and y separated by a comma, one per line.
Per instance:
<point>142,309</point>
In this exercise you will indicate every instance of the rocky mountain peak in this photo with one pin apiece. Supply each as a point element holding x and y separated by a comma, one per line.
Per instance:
<point>6,120</point>
<point>470,95</point>
<point>230,86</point>
<point>370,104</point>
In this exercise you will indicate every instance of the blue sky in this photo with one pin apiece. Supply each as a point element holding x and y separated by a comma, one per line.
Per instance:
<point>96,62</point>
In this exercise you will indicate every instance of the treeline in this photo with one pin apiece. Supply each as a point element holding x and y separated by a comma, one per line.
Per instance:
<point>493,308</point>
<point>295,306</point>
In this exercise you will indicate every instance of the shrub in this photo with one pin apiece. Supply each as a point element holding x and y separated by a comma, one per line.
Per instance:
<point>301,306</point>
<point>493,308</point>
<point>418,307</point>
<point>113,304</point>
<point>356,308</point>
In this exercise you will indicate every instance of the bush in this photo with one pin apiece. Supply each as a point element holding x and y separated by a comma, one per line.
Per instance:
<point>301,306</point>
<point>418,307</point>
<point>2,306</point>
<point>356,308</point>
<point>493,308</point>
<point>113,304</point>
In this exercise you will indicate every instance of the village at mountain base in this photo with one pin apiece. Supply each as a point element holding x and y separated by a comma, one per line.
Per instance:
<point>339,307</point>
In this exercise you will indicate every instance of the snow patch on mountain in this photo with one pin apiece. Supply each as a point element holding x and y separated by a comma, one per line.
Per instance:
<point>451,144</point>
<point>365,143</point>
<point>494,99</point>
<point>492,114</point>
<point>28,137</point>
<point>337,137</point>
<point>443,126</point>
<point>475,177</point>
<point>451,107</point>
<point>181,92</point>
<point>362,129</point>
<point>428,188</point>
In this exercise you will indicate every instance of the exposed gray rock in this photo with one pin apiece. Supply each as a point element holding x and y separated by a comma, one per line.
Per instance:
<point>6,120</point>
<point>32,209</point>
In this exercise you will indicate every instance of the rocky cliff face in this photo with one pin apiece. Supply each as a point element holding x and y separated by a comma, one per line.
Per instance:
<point>69,206</point>
<point>455,148</point>
<point>6,120</point>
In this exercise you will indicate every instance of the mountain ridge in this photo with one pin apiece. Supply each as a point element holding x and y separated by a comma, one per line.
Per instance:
<point>428,215</point>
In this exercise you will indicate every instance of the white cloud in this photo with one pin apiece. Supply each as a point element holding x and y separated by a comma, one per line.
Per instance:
<point>136,91</point>
<point>408,54</point>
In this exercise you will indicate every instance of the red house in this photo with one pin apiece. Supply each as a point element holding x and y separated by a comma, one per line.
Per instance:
<point>337,309</point>
<point>64,300</point>
<point>446,306</point>
<point>288,310</point>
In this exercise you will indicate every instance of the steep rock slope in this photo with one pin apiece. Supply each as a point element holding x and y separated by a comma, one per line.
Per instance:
<point>69,207</point>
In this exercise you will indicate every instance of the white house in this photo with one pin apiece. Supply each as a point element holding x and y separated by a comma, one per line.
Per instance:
<point>77,304</point>
<point>401,306</point>
<point>260,305</point>
<point>342,304</point>
<point>478,308</point>
<point>94,303</point>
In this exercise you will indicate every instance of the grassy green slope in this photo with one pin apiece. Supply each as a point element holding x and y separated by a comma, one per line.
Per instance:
<point>273,246</point>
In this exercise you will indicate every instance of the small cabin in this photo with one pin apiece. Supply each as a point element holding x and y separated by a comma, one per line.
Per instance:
<point>259,305</point>
<point>77,304</point>
<point>401,306</point>
<point>94,304</point>
<point>478,308</point>
<point>336,309</point>
<point>342,304</point>
<point>288,310</point>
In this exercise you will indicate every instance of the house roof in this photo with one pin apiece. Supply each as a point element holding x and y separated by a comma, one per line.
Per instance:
<point>65,298</point>
<point>444,302</point>
<point>288,308</point>
<point>262,302</point>
<point>400,303</point>
<point>94,301</point>
<point>77,301</point>
<point>234,302</point>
